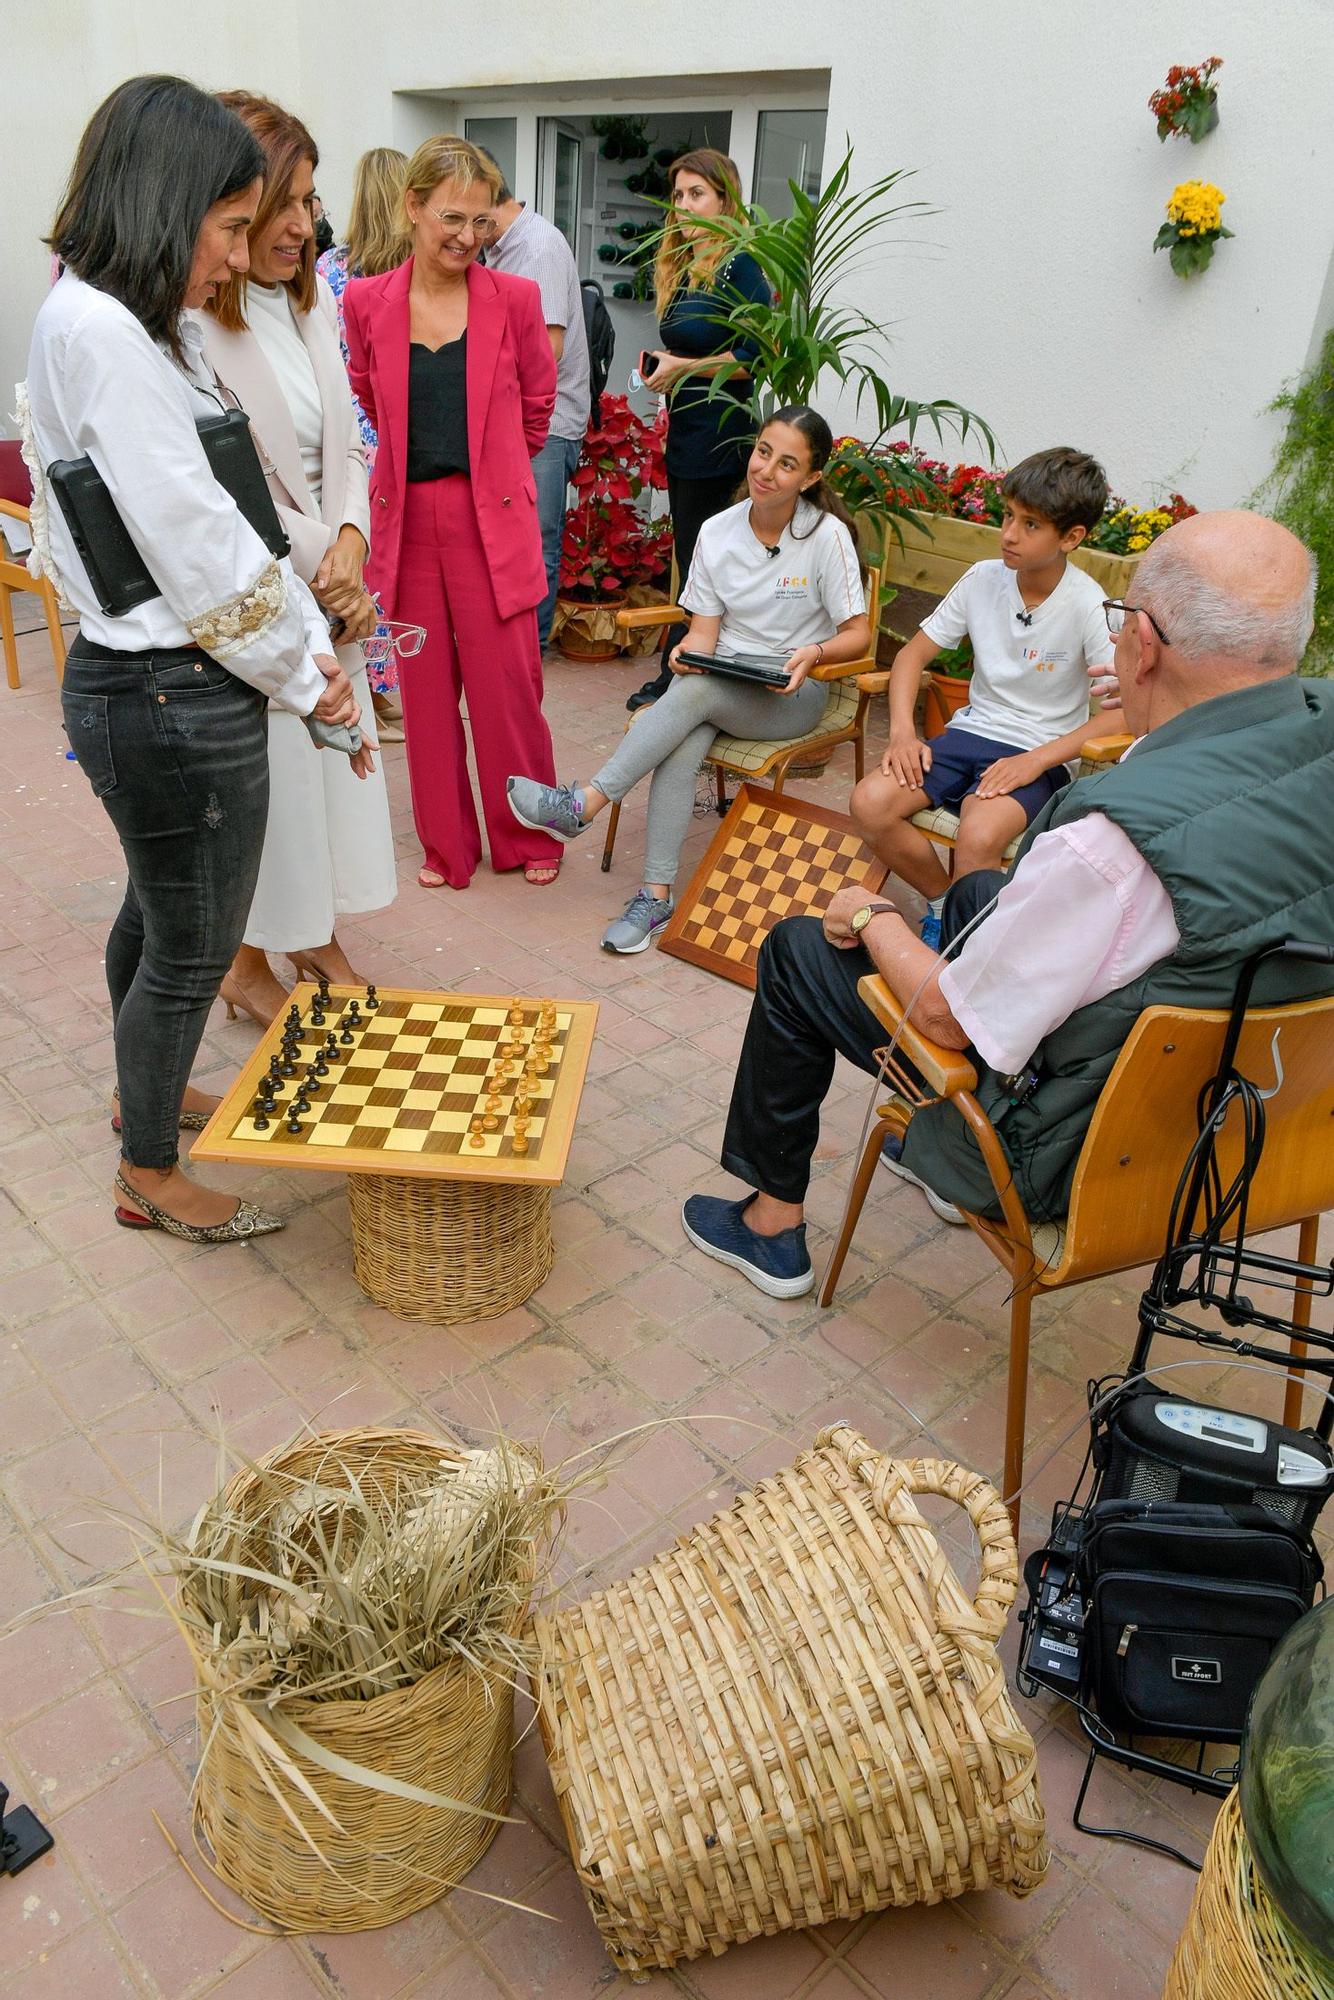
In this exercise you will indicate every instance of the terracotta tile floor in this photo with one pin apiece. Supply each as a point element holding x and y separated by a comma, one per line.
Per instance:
<point>120,1354</point>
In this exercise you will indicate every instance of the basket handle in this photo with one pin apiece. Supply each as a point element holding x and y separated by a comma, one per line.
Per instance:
<point>889,1477</point>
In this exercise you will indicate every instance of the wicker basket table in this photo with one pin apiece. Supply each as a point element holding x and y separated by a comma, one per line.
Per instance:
<point>1235,1945</point>
<point>452,1116</point>
<point>794,1714</point>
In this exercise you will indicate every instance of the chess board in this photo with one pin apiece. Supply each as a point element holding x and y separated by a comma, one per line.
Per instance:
<point>455,1086</point>
<point>773,856</point>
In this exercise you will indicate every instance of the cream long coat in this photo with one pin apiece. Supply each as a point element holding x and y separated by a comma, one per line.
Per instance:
<point>328,850</point>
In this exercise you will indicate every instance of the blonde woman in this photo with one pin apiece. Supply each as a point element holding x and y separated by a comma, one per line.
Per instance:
<point>377,241</point>
<point>271,335</point>
<point>454,367</point>
<point>696,284</point>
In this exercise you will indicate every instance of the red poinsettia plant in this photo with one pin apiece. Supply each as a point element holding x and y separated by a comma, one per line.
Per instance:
<point>610,543</point>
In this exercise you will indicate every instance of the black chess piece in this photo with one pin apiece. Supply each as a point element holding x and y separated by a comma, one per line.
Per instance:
<point>293,1120</point>
<point>293,1017</point>
<point>331,1048</point>
<point>317,1016</point>
<point>273,1070</point>
<point>320,1066</point>
<point>261,1118</point>
<point>346,1035</point>
<point>372,1000</point>
<point>301,1103</point>
<point>324,988</point>
<point>287,1067</point>
<point>354,1015</point>
<point>311,1086</point>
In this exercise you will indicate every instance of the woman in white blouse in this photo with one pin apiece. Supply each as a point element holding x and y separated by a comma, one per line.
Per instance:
<point>165,705</point>
<point>272,337</point>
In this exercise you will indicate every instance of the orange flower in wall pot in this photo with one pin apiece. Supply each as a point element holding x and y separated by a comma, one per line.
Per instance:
<point>1194,225</point>
<point>1186,106</point>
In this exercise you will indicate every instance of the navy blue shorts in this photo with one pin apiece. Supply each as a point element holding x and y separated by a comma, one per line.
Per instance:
<point>958,759</point>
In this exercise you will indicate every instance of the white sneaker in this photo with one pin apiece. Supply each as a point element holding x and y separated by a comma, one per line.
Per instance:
<point>891,1157</point>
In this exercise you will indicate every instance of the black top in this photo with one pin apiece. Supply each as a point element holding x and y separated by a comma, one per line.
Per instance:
<point>437,409</point>
<point>711,438</point>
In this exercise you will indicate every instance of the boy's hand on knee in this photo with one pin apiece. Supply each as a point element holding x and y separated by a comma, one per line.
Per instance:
<point>908,759</point>
<point>1010,774</point>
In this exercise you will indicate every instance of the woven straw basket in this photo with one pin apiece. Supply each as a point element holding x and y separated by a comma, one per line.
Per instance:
<point>448,1251</point>
<point>1235,1945</point>
<point>451,1733</point>
<point>794,1714</point>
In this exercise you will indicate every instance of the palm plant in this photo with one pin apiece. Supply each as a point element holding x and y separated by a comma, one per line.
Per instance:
<point>812,329</point>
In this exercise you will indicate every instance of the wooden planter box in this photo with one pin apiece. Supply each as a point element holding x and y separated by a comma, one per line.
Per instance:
<point>935,561</point>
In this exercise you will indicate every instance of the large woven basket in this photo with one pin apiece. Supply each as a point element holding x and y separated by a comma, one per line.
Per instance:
<point>794,1714</point>
<point>450,1733</point>
<point>1235,1945</point>
<point>448,1251</point>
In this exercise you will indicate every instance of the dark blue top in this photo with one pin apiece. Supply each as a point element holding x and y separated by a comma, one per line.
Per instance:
<point>711,439</point>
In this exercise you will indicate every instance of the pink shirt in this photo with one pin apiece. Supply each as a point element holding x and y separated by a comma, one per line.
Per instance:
<point>1084,916</point>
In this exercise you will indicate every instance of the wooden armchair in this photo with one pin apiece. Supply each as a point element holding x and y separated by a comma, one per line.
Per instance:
<point>15,494</point>
<point>1143,1126</point>
<point>843,721</point>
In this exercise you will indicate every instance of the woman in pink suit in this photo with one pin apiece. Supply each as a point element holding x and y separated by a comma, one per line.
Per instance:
<point>453,365</point>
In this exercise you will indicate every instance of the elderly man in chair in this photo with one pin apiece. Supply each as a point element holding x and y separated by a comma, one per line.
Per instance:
<point>1149,883</point>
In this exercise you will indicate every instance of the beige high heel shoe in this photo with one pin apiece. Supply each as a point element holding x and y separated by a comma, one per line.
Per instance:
<point>308,967</point>
<point>234,995</point>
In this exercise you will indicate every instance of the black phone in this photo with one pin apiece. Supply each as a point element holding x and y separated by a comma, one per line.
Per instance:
<point>648,362</point>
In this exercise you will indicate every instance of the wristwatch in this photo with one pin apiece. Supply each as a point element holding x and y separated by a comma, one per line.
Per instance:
<point>859,919</point>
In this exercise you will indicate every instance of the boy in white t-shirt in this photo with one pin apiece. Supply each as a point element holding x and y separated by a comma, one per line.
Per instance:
<point>1038,633</point>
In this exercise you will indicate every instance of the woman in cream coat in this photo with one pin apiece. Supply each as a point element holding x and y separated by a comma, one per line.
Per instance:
<point>272,338</point>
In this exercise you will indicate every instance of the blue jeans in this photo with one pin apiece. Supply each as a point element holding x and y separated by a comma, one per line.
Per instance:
<point>552,470</point>
<point>176,749</point>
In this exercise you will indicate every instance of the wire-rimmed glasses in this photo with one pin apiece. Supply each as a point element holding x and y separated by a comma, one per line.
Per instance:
<point>1114,610</point>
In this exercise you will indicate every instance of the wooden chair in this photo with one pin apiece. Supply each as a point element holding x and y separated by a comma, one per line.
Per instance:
<point>1143,1126</point>
<point>843,721</point>
<point>15,496</point>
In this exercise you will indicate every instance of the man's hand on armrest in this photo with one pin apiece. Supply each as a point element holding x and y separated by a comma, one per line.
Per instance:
<point>945,1071</point>
<point>902,960</point>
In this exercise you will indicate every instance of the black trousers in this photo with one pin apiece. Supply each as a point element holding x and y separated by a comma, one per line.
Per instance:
<point>176,749</point>
<point>806,1011</point>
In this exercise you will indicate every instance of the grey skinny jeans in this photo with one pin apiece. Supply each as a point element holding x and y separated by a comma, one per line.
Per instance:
<point>176,749</point>
<point>672,738</point>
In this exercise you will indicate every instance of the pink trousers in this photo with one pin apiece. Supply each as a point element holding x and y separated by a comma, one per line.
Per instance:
<point>470,650</point>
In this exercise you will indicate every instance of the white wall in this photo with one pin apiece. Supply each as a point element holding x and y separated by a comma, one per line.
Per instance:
<point>1032,295</point>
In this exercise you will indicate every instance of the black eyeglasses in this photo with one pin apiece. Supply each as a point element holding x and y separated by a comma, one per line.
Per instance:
<point>1114,610</point>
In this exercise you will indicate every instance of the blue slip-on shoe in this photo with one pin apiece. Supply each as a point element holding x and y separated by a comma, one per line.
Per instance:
<point>931,930</point>
<point>778,1265</point>
<point>891,1156</point>
<point>643,918</point>
<point>552,809</point>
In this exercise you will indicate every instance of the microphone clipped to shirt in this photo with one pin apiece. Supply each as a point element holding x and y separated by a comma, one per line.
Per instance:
<point>1024,617</point>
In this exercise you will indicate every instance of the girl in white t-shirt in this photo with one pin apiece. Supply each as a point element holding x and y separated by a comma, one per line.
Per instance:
<point>778,575</point>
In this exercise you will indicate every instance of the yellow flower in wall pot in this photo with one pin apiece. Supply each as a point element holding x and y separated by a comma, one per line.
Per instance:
<point>1194,224</point>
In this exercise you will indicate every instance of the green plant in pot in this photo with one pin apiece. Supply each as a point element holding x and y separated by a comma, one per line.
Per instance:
<point>811,339</point>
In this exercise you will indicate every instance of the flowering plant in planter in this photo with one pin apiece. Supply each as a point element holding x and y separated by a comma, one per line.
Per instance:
<point>975,494</point>
<point>1127,531</point>
<point>609,542</point>
<point>1186,107</point>
<point>1194,224</point>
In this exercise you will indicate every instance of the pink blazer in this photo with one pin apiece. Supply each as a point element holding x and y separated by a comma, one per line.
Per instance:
<point>511,382</point>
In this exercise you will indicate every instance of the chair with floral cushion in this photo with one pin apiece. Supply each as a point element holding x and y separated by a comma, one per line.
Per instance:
<point>852,686</point>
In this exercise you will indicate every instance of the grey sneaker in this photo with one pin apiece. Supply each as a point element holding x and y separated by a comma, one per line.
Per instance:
<point>644,916</point>
<point>551,809</point>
